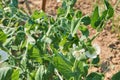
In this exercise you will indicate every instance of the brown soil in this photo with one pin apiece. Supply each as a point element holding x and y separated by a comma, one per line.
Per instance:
<point>108,39</point>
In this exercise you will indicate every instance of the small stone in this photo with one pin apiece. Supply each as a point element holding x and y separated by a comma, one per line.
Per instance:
<point>114,61</point>
<point>100,39</point>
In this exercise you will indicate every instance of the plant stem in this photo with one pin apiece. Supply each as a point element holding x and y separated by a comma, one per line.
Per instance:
<point>57,73</point>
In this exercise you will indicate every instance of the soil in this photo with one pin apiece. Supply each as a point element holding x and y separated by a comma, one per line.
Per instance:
<point>108,39</point>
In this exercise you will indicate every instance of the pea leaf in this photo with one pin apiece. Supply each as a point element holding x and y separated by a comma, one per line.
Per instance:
<point>80,68</point>
<point>39,14</point>
<point>95,76</point>
<point>84,30</point>
<point>5,73</point>
<point>96,60</point>
<point>116,76</point>
<point>3,36</point>
<point>60,11</point>
<point>15,74</point>
<point>86,20</point>
<point>110,9</point>
<point>20,37</point>
<point>72,2</point>
<point>63,66</point>
<point>14,3</point>
<point>40,72</point>
<point>95,17</point>
<point>78,14</point>
<point>33,53</point>
<point>104,14</point>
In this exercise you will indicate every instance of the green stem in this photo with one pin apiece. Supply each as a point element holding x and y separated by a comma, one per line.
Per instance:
<point>68,10</point>
<point>74,69</point>
<point>24,59</point>
<point>57,73</point>
<point>95,36</point>
<point>77,25</point>
<point>47,33</point>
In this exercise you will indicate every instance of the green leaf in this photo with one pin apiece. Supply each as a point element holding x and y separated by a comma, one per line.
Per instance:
<point>5,73</point>
<point>96,60</point>
<point>84,30</point>
<point>70,16</point>
<point>1,6</point>
<point>63,66</point>
<point>95,76</point>
<point>49,72</point>
<point>64,5</point>
<point>39,14</point>
<point>3,36</point>
<point>75,26</point>
<point>30,25</point>
<point>79,69</point>
<point>116,76</point>
<point>14,3</point>
<point>15,74</point>
<point>95,17</point>
<point>86,20</point>
<point>78,14</point>
<point>52,21</point>
<point>5,22</point>
<point>110,9</point>
<point>72,3</point>
<point>60,11</point>
<point>20,37</point>
<point>34,53</point>
<point>110,13</point>
<point>104,14</point>
<point>40,72</point>
<point>63,41</point>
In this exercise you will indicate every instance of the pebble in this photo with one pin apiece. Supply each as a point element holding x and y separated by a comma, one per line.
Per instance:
<point>100,39</point>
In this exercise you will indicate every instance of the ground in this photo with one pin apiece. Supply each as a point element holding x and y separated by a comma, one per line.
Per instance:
<point>109,39</point>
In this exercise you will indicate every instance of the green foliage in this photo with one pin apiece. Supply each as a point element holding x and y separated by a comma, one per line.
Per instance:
<point>86,20</point>
<point>34,53</point>
<point>5,73</point>
<point>42,47</point>
<point>98,21</point>
<point>110,10</point>
<point>95,76</point>
<point>3,36</point>
<point>40,72</point>
<point>95,17</point>
<point>64,66</point>
<point>96,60</point>
<point>116,76</point>
<point>15,74</point>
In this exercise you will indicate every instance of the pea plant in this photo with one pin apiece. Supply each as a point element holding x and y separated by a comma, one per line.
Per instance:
<point>45,47</point>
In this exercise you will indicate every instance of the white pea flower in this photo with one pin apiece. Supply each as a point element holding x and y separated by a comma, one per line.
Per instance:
<point>74,46</point>
<point>47,40</point>
<point>78,53</point>
<point>95,53</point>
<point>58,0</point>
<point>3,56</point>
<point>7,9</point>
<point>31,40</point>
